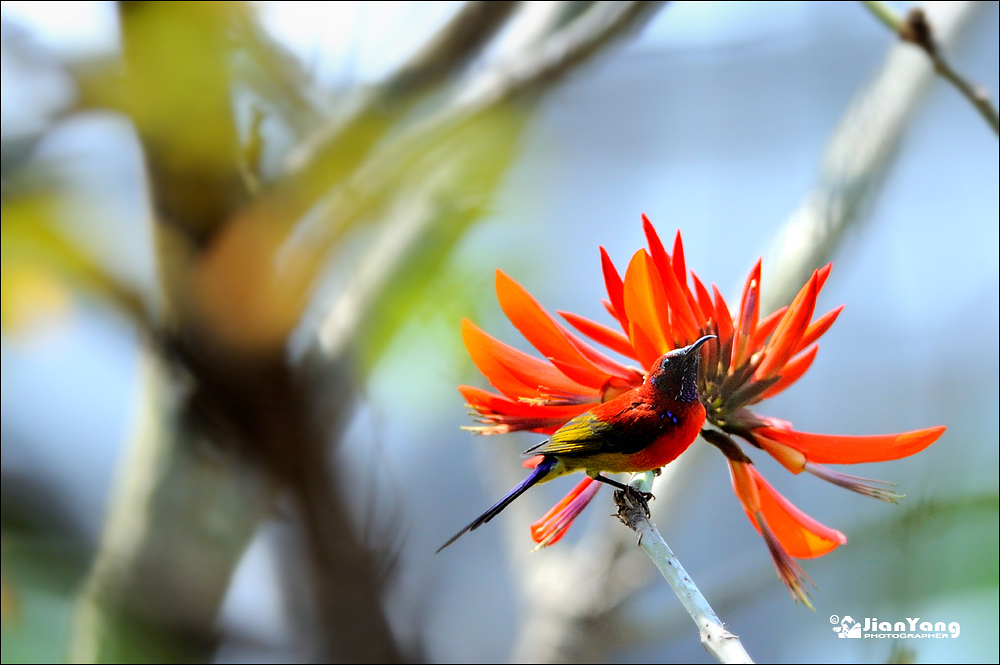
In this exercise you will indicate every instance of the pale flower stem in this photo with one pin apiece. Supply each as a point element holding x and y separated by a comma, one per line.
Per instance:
<point>718,641</point>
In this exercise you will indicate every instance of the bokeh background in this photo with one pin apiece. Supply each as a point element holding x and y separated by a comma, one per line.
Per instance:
<point>204,458</point>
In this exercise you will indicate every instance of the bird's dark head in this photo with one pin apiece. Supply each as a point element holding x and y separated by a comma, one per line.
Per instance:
<point>676,373</point>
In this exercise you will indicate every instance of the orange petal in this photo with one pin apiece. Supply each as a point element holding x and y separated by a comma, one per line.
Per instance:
<point>744,486</point>
<point>749,492</point>
<point>656,251</point>
<point>838,449</point>
<point>610,309</point>
<point>748,315</point>
<point>792,371</point>
<point>723,318</point>
<point>704,300</point>
<point>515,373</point>
<point>685,327</point>
<point>800,535</point>
<point>680,309</point>
<point>504,415</point>
<point>646,304</point>
<point>544,333</point>
<point>613,283</point>
<point>766,327</point>
<point>600,361</point>
<point>680,270</point>
<point>554,524</point>
<point>785,340</point>
<point>823,273</point>
<point>601,334</point>
<point>818,327</point>
<point>647,352</point>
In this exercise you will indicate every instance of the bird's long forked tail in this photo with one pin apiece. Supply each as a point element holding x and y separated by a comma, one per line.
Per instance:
<point>536,475</point>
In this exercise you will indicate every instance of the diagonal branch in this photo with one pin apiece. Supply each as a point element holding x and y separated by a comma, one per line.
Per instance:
<point>857,158</point>
<point>916,29</point>
<point>403,161</point>
<point>718,641</point>
<point>341,145</point>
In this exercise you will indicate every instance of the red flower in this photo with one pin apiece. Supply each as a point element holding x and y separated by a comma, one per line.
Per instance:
<point>660,305</point>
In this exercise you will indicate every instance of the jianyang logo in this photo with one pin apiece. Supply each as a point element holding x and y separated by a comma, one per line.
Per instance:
<point>872,628</point>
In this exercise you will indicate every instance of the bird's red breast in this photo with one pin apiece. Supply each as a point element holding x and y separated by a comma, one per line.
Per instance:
<point>640,430</point>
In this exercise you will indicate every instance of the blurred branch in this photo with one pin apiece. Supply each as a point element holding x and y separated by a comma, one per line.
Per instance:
<point>36,247</point>
<point>916,29</point>
<point>857,158</point>
<point>400,163</point>
<point>718,641</point>
<point>340,146</point>
<point>553,57</point>
<point>280,78</point>
<point>178,521</point>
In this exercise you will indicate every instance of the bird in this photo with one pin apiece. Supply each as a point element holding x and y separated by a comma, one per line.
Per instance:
<point>640,430</point>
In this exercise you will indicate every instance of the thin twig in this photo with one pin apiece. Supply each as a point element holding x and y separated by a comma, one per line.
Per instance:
<point>718,641</point>
<point>858,156</point>
<point>917,30</point>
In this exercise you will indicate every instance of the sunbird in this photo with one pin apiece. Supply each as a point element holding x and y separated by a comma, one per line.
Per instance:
<point>640,430</point>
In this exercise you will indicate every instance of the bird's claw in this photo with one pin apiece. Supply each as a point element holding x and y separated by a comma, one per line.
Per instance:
<point>629,501</point>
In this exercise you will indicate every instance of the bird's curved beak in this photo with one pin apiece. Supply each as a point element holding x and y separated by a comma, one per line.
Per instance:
<point>691,348</point>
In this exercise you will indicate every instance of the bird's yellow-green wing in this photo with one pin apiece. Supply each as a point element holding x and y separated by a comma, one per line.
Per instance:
<point>583,435</point>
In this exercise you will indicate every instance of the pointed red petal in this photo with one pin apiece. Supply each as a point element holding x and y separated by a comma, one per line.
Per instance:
<point>685,326</point>
<point>610,309</point>
<point>800,535</point>
<point>486,402</point>
<point>515,373</point>
<point>544,332</point>
<point>824,272</point>
<point>680,268</point>
<point>788,569</point>
<point>656,251</point>
<point>505,415</point>
<point>704,300</point>
<point>838,449</point>
<point>600,361</point>
<point>766,327</point>
<point>601,334</point>
<point>744,486</point>
<point>680,309</point>
<point>748,315</point>
<point>792,372</point>
<point>818,327</point>
<point>723,318</point>
<point>554,524</point>
<point>646,304</point>
<point>613,283</point>
<point>785,340</point>
<point>644,348</point>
